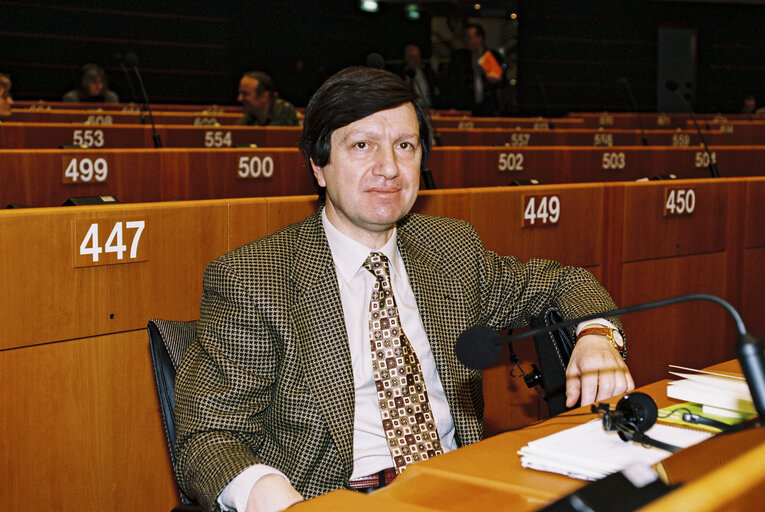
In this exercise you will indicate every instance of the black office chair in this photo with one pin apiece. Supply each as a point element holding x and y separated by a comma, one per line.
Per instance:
<point>168,342</point>
<point>553,351</point>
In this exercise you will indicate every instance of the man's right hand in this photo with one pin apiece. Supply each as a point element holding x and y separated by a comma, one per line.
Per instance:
<point>272,493</point>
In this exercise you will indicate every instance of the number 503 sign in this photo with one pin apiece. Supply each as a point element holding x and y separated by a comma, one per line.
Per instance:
<point>108,242</point>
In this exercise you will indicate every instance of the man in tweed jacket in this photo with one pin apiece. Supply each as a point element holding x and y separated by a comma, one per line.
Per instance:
<point>268,396</point>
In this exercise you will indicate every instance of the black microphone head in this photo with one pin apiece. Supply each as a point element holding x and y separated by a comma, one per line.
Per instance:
<point>671,84</point>
<point>375,60</point>
<point>478,347</point>
<point>131,59</point>
<point>623,80</point>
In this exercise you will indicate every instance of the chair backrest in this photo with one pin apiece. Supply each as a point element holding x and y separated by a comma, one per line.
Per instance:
<point>553,351</point>
<point>168,342</point>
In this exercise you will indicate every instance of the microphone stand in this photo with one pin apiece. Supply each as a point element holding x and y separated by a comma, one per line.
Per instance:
<point>121,60</point>
<point>749,349</point>
<point>626,84</point>
<point>133,61</point>
<point>672,86</point>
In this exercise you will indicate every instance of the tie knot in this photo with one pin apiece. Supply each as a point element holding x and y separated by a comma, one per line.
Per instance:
<point>377,264</point>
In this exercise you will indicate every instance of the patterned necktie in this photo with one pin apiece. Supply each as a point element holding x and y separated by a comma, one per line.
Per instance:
<point>407,420</point>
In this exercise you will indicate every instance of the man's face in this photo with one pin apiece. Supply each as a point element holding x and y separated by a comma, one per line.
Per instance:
<point>373,174</point>
<point>412,56</point>
<point>473,41</point>
<point>95,86</point>
<point>5,102</point>
<point>252,103</point>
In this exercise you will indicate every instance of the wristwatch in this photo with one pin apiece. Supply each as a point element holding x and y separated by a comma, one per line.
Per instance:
<point>613,335</point>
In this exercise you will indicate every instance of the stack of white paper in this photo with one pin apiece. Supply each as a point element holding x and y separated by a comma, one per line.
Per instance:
<point>587,452</point>
<point>719,394</point>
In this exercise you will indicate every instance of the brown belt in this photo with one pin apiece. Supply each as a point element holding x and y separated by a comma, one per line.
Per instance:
<point>373,481</point>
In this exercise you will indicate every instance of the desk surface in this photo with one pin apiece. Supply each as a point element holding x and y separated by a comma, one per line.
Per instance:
<point>483,476</point>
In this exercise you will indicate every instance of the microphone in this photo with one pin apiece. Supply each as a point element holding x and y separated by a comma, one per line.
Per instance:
<point>375,60</point>
<point>623,80</point>
<point>131,59</point>
<point>119,58</point>
<point>672,86</point>
<point>479,346</point>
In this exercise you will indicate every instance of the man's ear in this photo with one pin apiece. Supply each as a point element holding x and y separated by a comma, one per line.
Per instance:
<point>318,172</point>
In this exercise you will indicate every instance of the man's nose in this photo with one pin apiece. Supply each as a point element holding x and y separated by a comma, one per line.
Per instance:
<point>387,163</point>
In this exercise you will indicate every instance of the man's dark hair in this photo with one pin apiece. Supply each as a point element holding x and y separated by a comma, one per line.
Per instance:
<point>264,82</point>
<point>349,95</point>
<point>478,30</point>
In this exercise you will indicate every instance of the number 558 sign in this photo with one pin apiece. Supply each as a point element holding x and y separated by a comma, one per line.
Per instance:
<point>108,242</point>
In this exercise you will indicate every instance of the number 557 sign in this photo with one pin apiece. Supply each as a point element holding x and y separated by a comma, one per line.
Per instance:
<point>108,242</point>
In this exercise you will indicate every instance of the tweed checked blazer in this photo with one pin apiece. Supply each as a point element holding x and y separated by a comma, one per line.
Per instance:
<point>268,378</point>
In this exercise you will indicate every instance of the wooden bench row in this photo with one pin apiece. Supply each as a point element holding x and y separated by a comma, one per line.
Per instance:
<point>82,282</point>
<point>50,177</point>
<point>100,136</point>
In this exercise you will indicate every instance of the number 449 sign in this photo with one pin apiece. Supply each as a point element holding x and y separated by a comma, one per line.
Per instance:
<point>108,242</point>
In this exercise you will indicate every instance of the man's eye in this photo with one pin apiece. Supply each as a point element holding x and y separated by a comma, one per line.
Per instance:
<point>361,145</point>
<point>406,145</point>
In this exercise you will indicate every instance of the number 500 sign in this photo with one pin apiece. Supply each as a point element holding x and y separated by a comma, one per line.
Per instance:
<point>108,242</point>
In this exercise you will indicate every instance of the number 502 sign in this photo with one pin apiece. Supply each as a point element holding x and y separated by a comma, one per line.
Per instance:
<point>108,242</point>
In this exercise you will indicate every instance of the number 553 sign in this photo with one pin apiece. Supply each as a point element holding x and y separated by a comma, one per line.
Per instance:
<point>108,241</point>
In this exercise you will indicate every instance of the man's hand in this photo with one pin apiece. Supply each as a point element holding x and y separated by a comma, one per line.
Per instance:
<point>596,371</point>
<point>272,493</point>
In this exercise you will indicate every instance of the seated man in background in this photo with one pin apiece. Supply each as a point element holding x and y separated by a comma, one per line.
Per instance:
<point>420,77</point>
<point>5,96</point>
<point>92,86</point>
<point>324,355</point>
<point>261,104</point>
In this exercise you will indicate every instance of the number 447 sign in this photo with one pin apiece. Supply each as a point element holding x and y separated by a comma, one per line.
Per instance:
<point>108,242</point>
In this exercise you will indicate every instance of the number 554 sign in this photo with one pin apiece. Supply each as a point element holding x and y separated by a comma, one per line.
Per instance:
<point>108,242</point>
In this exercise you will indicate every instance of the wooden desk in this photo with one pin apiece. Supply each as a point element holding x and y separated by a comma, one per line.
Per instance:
<point>102,136</point>
<point>488,475</point>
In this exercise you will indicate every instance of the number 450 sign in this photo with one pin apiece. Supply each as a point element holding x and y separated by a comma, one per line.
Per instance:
<point>108,241</point>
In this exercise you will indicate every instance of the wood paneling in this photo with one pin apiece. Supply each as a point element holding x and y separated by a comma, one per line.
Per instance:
<point>81,427</point>
<point>50,299</point>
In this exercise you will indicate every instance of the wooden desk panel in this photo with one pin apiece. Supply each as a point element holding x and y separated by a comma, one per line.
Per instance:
<point>81,427</point>
<point>49,177</point>
<point>225,173</point>
<point>248,220</point>
<point>54,135</point>
<point>52,299</point>
<point>650,231</point>
<point>511,123</point>
<point>21,105</point>
<point>113,116</point>
<point>754,216</point>
<point>498,216</point>
<point>522,137</point>
<point>230,136</point>
<point>695,334</point>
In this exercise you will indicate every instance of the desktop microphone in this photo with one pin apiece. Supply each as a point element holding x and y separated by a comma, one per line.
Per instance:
<point>131,59</point>
<point>479,346</point>
<point>119,58</point>
<point>672,86</point>
<point>623,80</point>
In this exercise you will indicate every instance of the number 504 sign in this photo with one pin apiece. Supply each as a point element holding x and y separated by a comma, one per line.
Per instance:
<point>108,242</point>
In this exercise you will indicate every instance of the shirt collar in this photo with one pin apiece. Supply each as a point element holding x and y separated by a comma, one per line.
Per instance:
<point>349,255</point>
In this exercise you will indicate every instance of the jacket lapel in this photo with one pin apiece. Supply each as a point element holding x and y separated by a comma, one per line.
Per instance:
<point>435,289</point>
<point>318,316</point>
